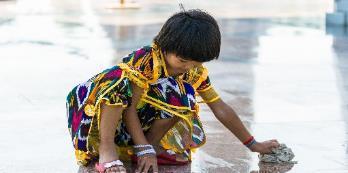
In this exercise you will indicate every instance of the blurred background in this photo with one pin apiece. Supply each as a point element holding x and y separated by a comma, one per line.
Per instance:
<point>283,68</point>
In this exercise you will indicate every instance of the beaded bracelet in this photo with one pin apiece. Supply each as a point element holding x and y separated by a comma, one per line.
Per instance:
<point>251,141</point>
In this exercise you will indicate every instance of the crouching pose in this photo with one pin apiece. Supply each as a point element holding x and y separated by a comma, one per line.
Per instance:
<point>146,105</point>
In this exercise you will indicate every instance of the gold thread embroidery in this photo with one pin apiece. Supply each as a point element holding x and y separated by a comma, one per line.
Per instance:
<point>89,110</point>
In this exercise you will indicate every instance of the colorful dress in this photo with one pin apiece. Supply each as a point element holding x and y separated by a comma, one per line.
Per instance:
<point>164,97</point>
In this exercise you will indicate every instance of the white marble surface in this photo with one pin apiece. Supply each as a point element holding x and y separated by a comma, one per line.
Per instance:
<point>282,73</point>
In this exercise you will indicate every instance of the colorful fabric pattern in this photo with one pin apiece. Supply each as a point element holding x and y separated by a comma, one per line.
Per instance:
<point>165,96</point>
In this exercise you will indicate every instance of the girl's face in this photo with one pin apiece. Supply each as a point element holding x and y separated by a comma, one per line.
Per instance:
<point>177,65</point>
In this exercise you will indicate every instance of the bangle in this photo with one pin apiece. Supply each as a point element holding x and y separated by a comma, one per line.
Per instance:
<point>143,146</point>
<point>148,151</point>
<point>143,149</point>
<point>251,140</point>
<point>251,143</point>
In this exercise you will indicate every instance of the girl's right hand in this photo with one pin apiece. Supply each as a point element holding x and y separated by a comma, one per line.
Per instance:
<point>146,162</point>
<point>265,147</point>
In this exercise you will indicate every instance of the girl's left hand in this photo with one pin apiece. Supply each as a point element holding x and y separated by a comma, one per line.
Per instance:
<point>146,163</point>
<point>264,147</point>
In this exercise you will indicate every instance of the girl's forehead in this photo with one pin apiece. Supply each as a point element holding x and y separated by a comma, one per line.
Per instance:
<point>187,60</point>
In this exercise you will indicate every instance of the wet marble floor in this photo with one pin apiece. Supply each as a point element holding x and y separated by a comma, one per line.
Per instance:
<point>285,75</point>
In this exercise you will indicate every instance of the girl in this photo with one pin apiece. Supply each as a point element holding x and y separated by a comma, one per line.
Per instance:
<point>148,102</point>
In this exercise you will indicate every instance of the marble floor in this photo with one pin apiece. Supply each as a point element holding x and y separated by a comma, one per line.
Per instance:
<point>283,71</point>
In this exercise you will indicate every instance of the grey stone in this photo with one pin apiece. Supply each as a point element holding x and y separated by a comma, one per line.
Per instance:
<point>282,154</point>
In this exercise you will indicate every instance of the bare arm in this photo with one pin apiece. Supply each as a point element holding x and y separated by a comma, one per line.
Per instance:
<point>226,115</point>
<point>131,118</point>
<point>134,128</point>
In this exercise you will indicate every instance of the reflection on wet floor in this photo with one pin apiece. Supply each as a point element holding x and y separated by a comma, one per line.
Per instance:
<point>285,77</point>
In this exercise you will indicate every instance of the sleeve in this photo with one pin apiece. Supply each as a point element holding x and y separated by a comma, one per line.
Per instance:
<point>207,92</point>
<point>140,59</point>
<point>138,66</point>
<point>121,94</point>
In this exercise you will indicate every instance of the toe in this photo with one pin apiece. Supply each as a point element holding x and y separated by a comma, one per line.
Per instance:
<point>122,169</point>
<point>111,170</point>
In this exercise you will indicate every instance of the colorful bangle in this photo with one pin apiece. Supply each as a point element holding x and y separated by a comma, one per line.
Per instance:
<point>251,141</point>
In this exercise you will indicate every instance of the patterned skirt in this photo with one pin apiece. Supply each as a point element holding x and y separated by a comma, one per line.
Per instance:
<point>166,98</point>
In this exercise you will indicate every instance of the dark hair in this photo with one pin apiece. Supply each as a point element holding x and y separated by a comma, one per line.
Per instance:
<point>192,35</point>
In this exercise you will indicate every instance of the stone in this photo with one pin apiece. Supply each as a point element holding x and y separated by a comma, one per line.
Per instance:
<point>282,154</point>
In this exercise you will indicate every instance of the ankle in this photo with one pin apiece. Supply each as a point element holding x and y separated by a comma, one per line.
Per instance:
<point>106,147</point>
<point>107,154</point>
<point>106,143</point>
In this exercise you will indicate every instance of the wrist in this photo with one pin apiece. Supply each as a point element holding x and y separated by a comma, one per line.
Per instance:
<point>255,147</point>
<point>144,149</point>
<point>250,143</point>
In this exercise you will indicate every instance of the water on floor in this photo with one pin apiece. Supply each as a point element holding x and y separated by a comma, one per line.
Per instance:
<point>285,74</point>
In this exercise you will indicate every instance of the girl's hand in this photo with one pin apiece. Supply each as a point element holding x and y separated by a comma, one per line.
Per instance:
<point>264,147</point>
<point>146,162</point>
